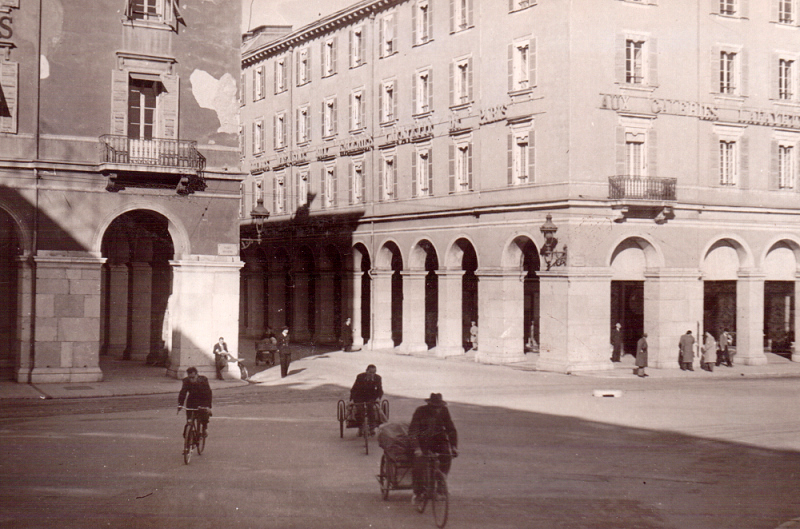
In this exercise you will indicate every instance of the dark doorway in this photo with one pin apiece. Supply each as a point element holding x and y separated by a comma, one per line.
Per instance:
<point>469,293</point>
<point>530,317</point>
<point>9,252</point>
<point>366,297</point>
<point>719,307</point>
<point>397,299</point>
<point>779,316</point>
<point>627,309</point>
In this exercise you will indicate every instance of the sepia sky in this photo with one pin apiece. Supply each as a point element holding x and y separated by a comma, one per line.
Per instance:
<point>296,13</point>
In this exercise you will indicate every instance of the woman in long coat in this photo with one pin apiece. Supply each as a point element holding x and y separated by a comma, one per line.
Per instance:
<point>686,354</point>
<point>709,352</point>
<point>641,356</point>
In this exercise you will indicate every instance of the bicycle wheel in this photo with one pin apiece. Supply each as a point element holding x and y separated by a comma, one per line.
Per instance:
<point>385,477</point>
<point>200,441</point>
<point>366,437</point>
<point>245,374</point>
<point>340,416</point>
<point>440,500</point>
<point>385,409</point>
<point>188,443</point>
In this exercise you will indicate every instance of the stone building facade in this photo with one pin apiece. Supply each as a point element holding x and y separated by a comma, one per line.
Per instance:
<point>119,177</point>
<point>417,155</point>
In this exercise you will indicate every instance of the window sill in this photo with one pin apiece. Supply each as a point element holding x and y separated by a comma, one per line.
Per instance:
<point>422,43</point>
<point>388,122</point>
<point>387,56</point>
<point>422,115</point>
<point>281,91</point>
<point>329,137</point>
<point>732,98</point>
<point>785,24</point>
<point>327,75</point>
<point>518,9</point>
<point>730,17</point>
<point>151,24</point>
<point>359,130</point>
<point>355,66</point>
<point>461,106</point>
<point>521,92</point>
<point>790,103</point>
<point>303,83</point>
<point>461,30</point>
<point>638,87</point>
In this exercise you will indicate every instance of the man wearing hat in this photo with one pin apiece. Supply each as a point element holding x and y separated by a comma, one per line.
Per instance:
<point>431,432</point>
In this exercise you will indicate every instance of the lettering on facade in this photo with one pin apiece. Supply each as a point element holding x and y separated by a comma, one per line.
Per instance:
<point>769,119</point>
<point>283,160</point>
<point>614,102</point>
<point>227,249</point>
<point>326,152</point>
<point>259,166</point>
<point>493,114</point>
<point>418,132</point>
<point>684,108</point>
<point>355,146</point>
<point>457,123</point>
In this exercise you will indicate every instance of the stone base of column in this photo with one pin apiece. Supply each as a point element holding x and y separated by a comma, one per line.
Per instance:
<point>754,360</point>
<point>60,375</point>
<point>411,348</point>
<point>376,345</point>
<point>358,344</point>
<point>558,365</point>
<point>443,351</point>
<point>179,372</point>
<point>232,372</point>
<point>490,358</point>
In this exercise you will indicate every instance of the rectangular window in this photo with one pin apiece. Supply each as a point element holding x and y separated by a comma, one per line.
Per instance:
<point>461,82</point>
<point>329,186</point>
<point>387,178</point>
<point>279,193</point>
<point>785,77</point>
<point>329,57</point>
<point>388,102</point>
<point>727,72</point>
<point>727,7</point>
<point>521,64</point>
<point>421,23</point>
<point>243,89</point>
<point>521,164</point>
<point>634,61</point>
<point>145,9</point>
<point>387,35</point>
<point>422,173</point>
<point>460,166</point>
<point>357,110</point>
<point>635,154</point>
<point>280,130</point>
<point>728,163</point>
<point>259,84</point>
<point>280,75</point>
<point>303,125</point>
<point>787,167</point>
<point>303,66</point>
<point>516,5</point>
<point>461,17</point>
<point>329,117</point>
<point>357,182</point>
<point>786,11</point>
<point>258,136</point>
<point>302,188</point>
<point>141,109</point>
<point>357,47</point>
<point>423,92</point>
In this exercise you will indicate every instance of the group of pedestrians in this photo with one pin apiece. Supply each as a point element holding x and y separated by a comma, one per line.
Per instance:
<point>712,352</point>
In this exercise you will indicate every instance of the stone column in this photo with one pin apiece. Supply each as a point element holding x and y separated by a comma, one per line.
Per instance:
<point>500,316</point>
<point>141,298</point>
<point>413,312</point>
<point>276,301</point>
<point>353,286</point>
<point>325,309</point>
<point>673,304</point>
<point>575,312</point>
<point>67,330</point>
<point>750,318</point>
<point>255,302</point>
<point>117,310</point>
<point>300,325</point>
<point>450,313</point>
<point>382,310</point>
<point>796,327</point>
<point>25,294</point>
<point>206,306</point>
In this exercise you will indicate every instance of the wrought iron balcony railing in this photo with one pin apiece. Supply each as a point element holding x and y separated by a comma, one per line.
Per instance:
<point>158,152</point>
<point>647,188</point>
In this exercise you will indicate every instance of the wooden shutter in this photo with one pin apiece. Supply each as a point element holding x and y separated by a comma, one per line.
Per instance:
<point>395,97</point>
<point>242,88</point>
<point>255,86</point>
<point>511,86</point>
<point>284,197</point>
<point>744,162</point>
<point>263,82</point>
<point>169,104</point>
<point>652,57</point>
<point>715,82</point>
<point>532,63</point>
<point>510,5</point>
<point>395,162</point>
<point>469,166</point>
<point>414,10</point>
<point>364,180</point>
<point>470,13</point>
<point>714,7</point>
<point>531,156</point>
<point>297,66</point>
<point>350,110</point>
<point>394,32</point>
<point>469,80</point>
<point>414,176</point>
<point>510,158</point>
<point>361,114</point>
<point>350,49</point>
<point>362,43</point>
<point>334,118</point>
<point>452,167</point>
<point>621,165</point>
<point>274,77</point>
<point>652,152</point>
<point>453,16</point>
<point>619,62</point>
<point>334,52</point>
<point>309,65</point>
<point>414,87</point>
<point>452,83</point>
<point>119,98</point>
<point>381,34</point>
<point>274,193</point>
<point>774,166</point>
<point>430,171</point>
<point>713,166</point>
<point>296,126</point>
<point>381,164</point>
<point>430,20</point>
<point>274,131</point>
<point>745,72</point>
<point>744,8</point>
<point>430,90</point>
<point>253,145</point>
<point>381,112</point>
<point>334,188</point>
<point>351,170</point>
<point>322,120</point>
<point>322,181</point>
<point>322,52</point>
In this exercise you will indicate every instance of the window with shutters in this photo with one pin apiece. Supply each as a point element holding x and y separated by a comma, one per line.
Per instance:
<point>357,110</point>
<point>258,136</point>
<point>787,11</point>
<point>461,81</point>
<point>357,181</point>
<point>242,193</point>
<point>259,83</point>
<point>303,125</point>
<point>422,22</point>
<point>329,57</point>
<point>329,186</point>
<point>423,92</point>
<point>422,172</point>
<point>302,187</point>
<point>519,5</point>
<point>242,145</point>
<point>387,30</point>
<point>388,102</point>
<point>243,89</point>
<point>279,193</point>
<point>153,12</point>
<point>461,15</point>
<point>387,177</point>
<point>727,7</point>
<point>357,41</point>
<point>462,167</point>
<point>520,157</point>
<point>635,154</point>
<point>9,83</point>
<point>280,75</point>
<point>522,65</point>
<point>728,72</point>
<point>329,117</point>
<point>303,66</point>
<point>142,96</point>
<point>786,79</point>
<point>634,61</point>
<point>728,162</point>
<point>281,130</point>
<point>787,166</point>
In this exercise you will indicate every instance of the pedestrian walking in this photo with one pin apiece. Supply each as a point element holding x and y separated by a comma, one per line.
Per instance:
<point>686,351</point>
<point>641,356</point>
<point>724,354</point>
<point>709,352</point>
<point>220,356</point>
<point>473,335</point>
<point>284,352</point>
<point>347,335</point>
<point>616,343</point>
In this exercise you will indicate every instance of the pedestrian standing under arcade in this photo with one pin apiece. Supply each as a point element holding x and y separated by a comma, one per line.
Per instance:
<point>284,352</point>
<point>686,351</point>
<point>616,343</point>
<point>709,352</point>
<point>641,356</point>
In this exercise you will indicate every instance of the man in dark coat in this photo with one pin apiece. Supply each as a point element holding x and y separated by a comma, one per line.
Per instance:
<point>196,393</point>
<point>368,388</point>
<point>284,352</point>
<point>220,356</point>
<point>431,431</point>
<point>347,335</point>
<point>641,356</point>
<point>686,354</point>
<point>616,343</point>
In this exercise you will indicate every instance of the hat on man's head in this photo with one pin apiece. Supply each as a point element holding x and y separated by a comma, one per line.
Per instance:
<point>436,400</point>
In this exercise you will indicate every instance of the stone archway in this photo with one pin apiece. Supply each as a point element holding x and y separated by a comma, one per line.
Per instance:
<point>388,297</point>
<point>304,299</point>
<point>361,296</point>
<point>421,298</point>
<point>780,267</point>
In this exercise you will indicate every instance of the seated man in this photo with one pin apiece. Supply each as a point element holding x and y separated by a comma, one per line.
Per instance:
<point>196,392</point>
<point>431,432</point>
<point>367,388</point>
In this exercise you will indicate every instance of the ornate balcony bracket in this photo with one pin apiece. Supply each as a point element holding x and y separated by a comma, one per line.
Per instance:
<point>660,214</point>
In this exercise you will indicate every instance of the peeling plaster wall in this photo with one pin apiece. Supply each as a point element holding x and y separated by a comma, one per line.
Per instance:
<point>218,95</point>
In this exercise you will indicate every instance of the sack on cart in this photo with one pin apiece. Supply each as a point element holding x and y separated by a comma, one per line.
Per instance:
<point>393,438</point>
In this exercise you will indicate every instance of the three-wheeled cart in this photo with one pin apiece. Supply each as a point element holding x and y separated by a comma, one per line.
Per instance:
<point>397,459</point>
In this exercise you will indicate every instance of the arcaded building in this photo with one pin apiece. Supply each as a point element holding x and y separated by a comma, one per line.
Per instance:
<point>545,169</point>
<point>119,180</point>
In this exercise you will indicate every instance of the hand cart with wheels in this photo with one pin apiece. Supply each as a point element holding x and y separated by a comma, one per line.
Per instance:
<point>397,460</point>
<point>351,416</point>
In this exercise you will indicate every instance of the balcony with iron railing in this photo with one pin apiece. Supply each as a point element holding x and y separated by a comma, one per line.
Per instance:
<point>154,155</point>
<point>643,197</point>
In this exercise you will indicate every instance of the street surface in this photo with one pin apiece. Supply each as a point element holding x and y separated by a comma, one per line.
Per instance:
<point>537,450</point>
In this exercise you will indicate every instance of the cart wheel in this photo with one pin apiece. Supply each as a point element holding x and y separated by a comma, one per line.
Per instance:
<point>385,477</point>
<point>385,408</point>
<point>340,416</point>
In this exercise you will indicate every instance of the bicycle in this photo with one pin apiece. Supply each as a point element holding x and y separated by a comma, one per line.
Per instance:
<point>434,490</point>
<point>357,417</point>
<point>193,438</point>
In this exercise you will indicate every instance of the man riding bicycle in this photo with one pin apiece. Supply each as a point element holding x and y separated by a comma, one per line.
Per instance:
<point>431,432</point>
<point>367,388</point>
<point>197,393</point>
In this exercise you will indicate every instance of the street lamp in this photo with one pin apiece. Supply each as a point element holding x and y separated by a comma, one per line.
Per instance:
<point>259,214</point>
<point>548,251</point>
